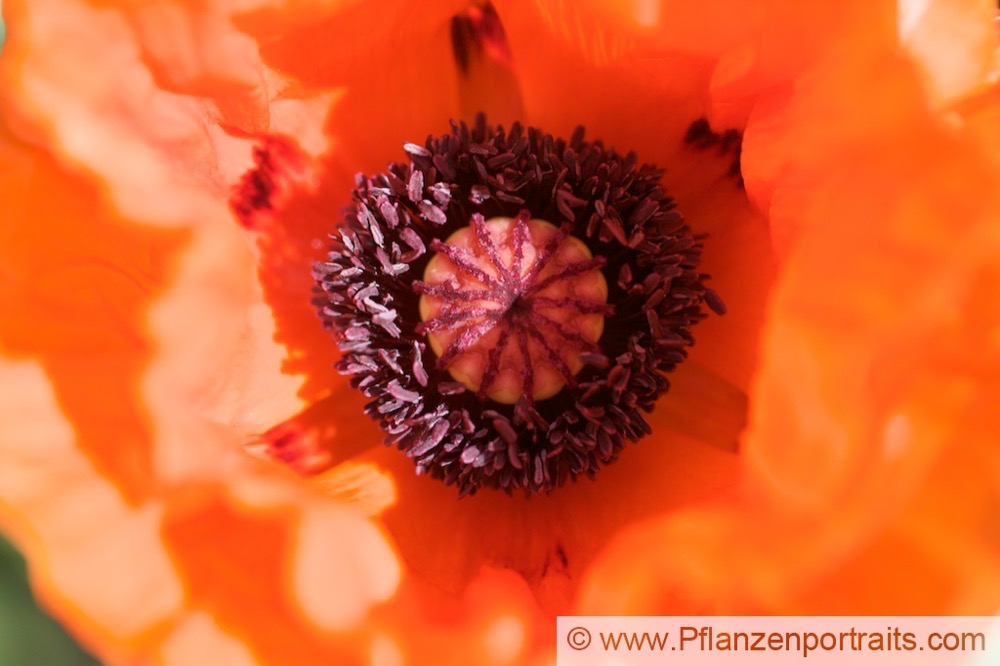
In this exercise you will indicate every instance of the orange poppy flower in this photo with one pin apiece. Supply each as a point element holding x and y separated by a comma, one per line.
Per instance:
<point>829,446</point>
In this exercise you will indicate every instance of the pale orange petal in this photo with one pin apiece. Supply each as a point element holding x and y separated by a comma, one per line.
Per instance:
<point>954,42</point>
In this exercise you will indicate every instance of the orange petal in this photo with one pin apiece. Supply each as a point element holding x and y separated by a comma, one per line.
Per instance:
<point>60,233</point>
<point>869,431</point>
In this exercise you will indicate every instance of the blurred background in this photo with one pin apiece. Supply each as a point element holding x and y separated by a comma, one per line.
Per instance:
<point>29,637</point>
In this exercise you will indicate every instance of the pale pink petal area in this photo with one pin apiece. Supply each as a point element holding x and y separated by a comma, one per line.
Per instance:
<point>194,49</point>
<point>217,373</point>
<point>954,42</point>
<point>365,573</point>
<point>366,487</point>
<point>198,639</point>
<point>160,152</point>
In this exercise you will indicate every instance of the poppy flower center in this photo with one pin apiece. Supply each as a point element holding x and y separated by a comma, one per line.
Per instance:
<point>510,305</point>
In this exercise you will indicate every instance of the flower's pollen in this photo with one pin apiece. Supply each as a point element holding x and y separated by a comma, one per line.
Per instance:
<point>509,305</point>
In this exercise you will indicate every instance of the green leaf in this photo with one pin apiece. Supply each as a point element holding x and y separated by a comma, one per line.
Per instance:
<point>29,637</point>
